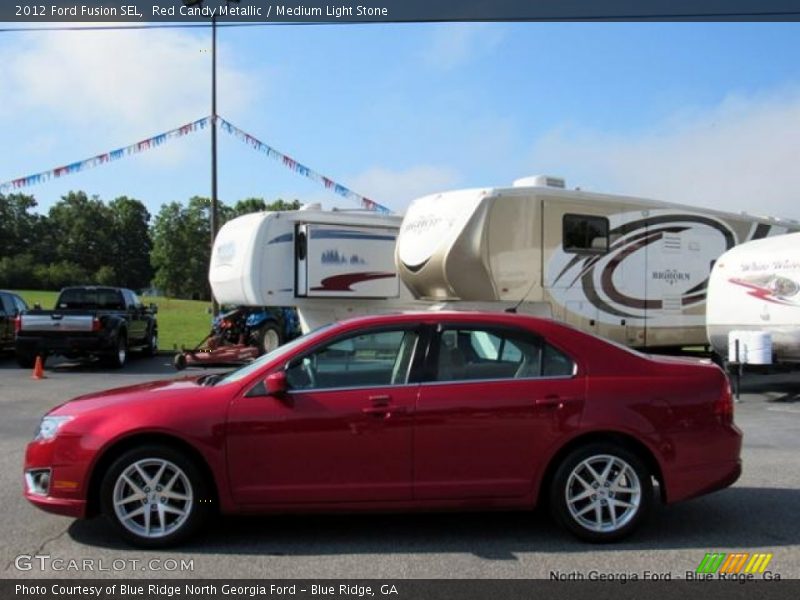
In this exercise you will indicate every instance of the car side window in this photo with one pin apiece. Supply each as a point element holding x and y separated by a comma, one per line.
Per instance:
<point>467,354</point>
<point>555,363</point>
<point>376,359</point>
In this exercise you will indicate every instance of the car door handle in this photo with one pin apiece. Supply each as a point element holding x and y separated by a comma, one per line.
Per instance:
<point>384,411</point>
<point>553,400</point>
<point>380,400</point>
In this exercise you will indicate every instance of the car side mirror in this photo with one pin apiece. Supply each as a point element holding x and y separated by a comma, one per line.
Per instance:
<point>276,384</point>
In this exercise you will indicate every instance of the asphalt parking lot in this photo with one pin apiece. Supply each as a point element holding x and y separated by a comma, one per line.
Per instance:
<point>758,514</point>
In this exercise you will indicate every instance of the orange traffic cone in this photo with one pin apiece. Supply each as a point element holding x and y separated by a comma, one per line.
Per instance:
<point>38,368</point>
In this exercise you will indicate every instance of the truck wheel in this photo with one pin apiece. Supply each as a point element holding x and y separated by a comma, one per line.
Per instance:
<point>119,356</point>
<point>27,361</point>
<point>155,496</point>
<point>151,348</point>
<point>267,338</point>
<point>601,492</point>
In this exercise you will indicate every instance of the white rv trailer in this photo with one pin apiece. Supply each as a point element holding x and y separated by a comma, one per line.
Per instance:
<point>628,269</point>
<point>330,265</point>
<point>755,287</point>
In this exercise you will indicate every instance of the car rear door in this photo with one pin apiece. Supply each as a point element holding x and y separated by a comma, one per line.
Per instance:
<point>343,432</point>
<point>493,403</point>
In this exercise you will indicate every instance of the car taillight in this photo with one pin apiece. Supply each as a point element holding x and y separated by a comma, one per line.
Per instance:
<point>96,325</point>
<point>723,407</point>
<point>18,324</point>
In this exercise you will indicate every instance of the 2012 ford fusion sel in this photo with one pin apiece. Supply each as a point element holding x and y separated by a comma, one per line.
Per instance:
<point>399,412</point>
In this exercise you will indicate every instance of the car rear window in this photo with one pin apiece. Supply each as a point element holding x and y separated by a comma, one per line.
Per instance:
<point>90,300</point>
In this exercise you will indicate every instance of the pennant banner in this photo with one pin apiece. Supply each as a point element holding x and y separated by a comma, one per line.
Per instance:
<point>162,138</point>
<point>299,168</point>
<point>81,165</point>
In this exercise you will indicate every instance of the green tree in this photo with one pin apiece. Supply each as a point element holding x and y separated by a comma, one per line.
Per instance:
<point>182,248</point>
<point>251,205</point>
<point>131,244</point>
<point>81,231</point>
<point>19,227</point>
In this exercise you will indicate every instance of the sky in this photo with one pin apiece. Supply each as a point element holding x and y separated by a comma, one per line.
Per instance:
<point>702,114</point>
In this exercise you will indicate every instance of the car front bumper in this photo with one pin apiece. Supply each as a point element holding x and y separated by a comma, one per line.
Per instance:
<point>66,493</point>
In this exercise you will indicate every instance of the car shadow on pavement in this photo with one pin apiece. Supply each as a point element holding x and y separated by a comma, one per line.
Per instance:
<point>739,517</point>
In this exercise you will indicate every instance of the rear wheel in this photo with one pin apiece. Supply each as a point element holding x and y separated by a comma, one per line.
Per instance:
<point>27,361</point>
<point>155,496</point>
<point>601,492</point>
<point>119,356</point>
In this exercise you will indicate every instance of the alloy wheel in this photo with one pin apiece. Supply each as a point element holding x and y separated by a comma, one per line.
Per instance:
<point>152,498</point>
<point>603,493</point>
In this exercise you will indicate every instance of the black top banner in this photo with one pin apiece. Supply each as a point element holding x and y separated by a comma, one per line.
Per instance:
<point>375,11</point>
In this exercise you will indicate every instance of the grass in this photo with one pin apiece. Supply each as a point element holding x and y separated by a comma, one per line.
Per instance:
<point>180,322</point>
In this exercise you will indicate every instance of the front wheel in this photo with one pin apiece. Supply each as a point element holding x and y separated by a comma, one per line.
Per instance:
<point>155,496</point>
<point>601,492</point>
<point>151,348</point>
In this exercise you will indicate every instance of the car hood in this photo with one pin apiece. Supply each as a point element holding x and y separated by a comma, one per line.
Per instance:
<point>160,391</point>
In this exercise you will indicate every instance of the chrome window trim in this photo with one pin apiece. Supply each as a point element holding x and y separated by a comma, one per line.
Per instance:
<point>456,381</point>
<point>352,388</point>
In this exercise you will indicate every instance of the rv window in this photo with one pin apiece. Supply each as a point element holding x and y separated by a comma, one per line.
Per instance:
<point>585,234</point>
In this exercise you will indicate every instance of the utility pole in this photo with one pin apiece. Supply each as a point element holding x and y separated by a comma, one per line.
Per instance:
<point>214,211</point>
<point>214,199</point>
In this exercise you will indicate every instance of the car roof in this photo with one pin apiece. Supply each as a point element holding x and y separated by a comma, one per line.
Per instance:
<point>451,316</point>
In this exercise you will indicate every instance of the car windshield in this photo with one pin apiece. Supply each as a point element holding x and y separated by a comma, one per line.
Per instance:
<point>254,366</point>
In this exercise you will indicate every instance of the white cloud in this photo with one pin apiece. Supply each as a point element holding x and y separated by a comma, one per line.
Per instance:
<point>397,188</point>
<point>454,44</point>
<point>742,155</point>
<point>132,83</point>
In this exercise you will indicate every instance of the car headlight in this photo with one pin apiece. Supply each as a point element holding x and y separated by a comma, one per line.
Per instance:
<point>49,427</point>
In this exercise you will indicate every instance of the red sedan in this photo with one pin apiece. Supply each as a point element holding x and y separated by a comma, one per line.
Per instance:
<point>400,412</point>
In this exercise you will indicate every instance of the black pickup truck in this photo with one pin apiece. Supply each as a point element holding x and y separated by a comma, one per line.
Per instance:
<point>88,321</point>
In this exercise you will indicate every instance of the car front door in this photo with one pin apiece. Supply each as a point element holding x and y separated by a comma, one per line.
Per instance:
<point>494,401</point>
<point>137,322</point>
<point>342,432</point>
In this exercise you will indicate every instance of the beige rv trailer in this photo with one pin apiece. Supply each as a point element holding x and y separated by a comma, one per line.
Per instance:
<point>629,269</point>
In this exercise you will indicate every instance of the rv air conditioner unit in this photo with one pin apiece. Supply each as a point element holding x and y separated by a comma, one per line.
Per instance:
<point>541,181</point>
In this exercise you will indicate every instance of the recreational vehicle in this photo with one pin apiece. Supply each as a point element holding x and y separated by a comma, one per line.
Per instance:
<point>755,288</point>
<point>628,269</point>
<point>330,265</point>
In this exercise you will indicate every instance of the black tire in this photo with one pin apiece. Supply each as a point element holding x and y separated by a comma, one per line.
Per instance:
<point>27,361</point>
<point>151,347</point>
<point>193,486</point>
<point>571,478</point>
<point>267,338</point>
<point>179,362</point>
<point>117,358</point>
